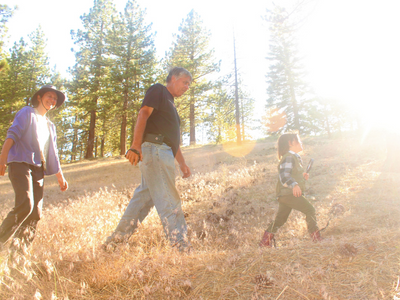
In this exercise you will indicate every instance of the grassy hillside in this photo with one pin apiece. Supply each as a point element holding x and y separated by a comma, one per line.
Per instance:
<point>228,202</point>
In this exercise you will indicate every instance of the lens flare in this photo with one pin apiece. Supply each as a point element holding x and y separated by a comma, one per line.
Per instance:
<point>239,150</point>
<point>274,120</point>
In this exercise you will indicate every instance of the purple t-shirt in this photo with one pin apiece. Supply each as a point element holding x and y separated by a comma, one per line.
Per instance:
<point>164,119</point>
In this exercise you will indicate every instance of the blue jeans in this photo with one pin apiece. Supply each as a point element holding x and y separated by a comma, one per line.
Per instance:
<point>156,189</point>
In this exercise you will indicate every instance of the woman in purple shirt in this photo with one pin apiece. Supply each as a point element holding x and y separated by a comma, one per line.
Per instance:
<point>30,152</point>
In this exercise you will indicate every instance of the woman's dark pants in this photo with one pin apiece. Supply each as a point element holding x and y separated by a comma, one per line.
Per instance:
<point>27,181</point>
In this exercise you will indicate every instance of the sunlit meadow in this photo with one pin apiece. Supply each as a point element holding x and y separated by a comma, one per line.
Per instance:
<point>228,203</point>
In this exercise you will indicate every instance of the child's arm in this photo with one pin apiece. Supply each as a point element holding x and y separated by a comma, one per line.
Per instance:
<point>285,172</point>
<point>285,175</point>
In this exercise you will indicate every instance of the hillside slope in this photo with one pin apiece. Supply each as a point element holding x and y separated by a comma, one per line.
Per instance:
<point>229,201</point>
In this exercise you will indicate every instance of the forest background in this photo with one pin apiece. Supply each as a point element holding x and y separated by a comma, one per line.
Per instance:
<point>293,71</point>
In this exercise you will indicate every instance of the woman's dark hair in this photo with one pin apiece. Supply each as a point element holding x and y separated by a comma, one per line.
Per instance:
<point>283,143</point>
<point>35,101</point>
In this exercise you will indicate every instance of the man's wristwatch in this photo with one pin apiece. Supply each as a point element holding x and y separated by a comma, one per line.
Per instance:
<point>134,151</point>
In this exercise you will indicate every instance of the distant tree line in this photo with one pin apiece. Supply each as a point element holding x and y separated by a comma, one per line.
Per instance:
<point>116,63</point>
<point>291,104</point>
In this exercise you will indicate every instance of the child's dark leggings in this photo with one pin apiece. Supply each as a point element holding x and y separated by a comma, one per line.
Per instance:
<point>286,204</point>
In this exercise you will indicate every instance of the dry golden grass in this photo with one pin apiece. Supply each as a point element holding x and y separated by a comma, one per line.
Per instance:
<point>229,201</point>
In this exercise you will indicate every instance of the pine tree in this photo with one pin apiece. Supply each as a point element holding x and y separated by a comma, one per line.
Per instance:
<point>38,71</point>
<point>91,71</point>
<point>246,112</point>
<point>27,71</point>
<point>286,89</point>
<point>13,91</point>
<point>328,116</point>
<point>191,51</point>
<point>133,69</point>
<point>221,117</point>
<point>61,116</point>
<point>5,14</point>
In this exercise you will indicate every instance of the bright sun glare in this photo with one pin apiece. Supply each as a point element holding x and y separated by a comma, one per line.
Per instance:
<point>352,56</point>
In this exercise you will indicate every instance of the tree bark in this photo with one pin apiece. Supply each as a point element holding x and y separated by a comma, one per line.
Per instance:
<point>122,145</point>
<point>90,145</point>
<point>192,120</point>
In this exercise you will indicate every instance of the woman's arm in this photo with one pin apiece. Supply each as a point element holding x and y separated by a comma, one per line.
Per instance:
<point>61,181</point>
<point>4,155</point>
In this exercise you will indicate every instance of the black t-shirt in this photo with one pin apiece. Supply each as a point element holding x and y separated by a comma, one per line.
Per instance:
<point>164,119</point>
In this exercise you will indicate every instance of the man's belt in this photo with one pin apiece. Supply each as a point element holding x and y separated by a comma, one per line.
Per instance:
<point>156,139</point>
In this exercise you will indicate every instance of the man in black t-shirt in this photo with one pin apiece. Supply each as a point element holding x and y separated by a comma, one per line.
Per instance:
<point>155,145</point>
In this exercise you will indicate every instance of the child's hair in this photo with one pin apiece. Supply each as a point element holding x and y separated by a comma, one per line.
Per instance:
<point>283,143</point>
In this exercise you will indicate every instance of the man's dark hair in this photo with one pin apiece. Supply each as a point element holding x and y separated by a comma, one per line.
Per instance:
<point>178,72</point>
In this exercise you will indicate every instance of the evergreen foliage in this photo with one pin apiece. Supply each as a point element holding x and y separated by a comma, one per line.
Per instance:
<point>5,14</point>
<point>27,70</point>
<point>286,88</point>
<point>91,88</point>
<point>133,68</point>
<point>116,63</point>
<point>190,50</point>
<point>221,118</point>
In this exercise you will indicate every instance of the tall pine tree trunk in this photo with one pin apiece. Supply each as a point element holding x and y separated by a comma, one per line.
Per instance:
<point>237,108</point>
<point>122,144</point>
<point>95,146</point>
<point>73,148</point>
<point>92,126</point>
<point>80,151</point>
<point>242,116</point>
<point>192,120</point>
<point>103,140</point>
<point>133,124</point>
<point>294,102</point>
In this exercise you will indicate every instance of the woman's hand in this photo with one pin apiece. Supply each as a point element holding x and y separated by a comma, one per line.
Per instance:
<point>3,165</point>
<point>4,155</point>
<point>3,168</point>
<point>306,175</point>
<point>62,182</point>
<point>296,191</point>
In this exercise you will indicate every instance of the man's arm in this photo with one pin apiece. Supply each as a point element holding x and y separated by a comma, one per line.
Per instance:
<point>144,114</point>
<point>4,155</point>
<point>182,164</point>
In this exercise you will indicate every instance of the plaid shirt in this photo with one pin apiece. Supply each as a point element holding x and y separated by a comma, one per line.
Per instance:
<point>285,171</point>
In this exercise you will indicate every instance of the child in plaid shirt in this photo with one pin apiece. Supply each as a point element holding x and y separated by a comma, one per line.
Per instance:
<point>290,189</point>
